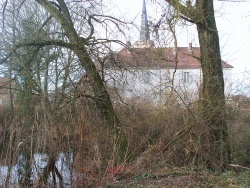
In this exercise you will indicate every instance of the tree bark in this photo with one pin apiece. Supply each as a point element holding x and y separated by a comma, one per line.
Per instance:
<point>213,98</point>
<point>102,98</point>
<point>216,150</point>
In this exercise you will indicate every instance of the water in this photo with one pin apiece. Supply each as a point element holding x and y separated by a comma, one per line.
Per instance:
<point>40,161</point>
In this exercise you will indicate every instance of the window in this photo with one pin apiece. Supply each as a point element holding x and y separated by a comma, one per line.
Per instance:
<point>186,77</point>
<point>147,77</point>
<point>168,77</point>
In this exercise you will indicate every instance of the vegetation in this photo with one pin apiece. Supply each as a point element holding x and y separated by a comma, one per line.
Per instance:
<point>62,129</point>
<point>212,98</point>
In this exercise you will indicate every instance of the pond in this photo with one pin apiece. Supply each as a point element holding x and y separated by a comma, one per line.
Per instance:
<point>39,163</point>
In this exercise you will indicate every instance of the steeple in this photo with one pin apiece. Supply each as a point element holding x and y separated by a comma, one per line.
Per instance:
<point>144,34</point>
<point>144,41</point>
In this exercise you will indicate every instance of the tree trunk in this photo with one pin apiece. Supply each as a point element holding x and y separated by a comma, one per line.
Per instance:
<point>215,149</point>
<point>213,99</point>
<point>102,98</point>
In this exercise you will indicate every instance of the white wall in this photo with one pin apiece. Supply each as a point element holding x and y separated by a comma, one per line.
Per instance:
<point>154,84</point>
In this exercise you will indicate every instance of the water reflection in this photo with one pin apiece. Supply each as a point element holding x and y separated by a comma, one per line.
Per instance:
<point>39,163</point>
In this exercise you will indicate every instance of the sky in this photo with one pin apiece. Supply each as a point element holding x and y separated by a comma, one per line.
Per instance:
<point>233,23</point>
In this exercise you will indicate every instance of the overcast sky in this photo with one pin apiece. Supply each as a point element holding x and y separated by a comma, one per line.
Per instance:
<point>233,23</point>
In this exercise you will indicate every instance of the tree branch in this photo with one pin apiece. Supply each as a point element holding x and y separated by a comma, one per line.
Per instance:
<point>45,43</point>
<point>37,44</point>
<point>52,9</point>
<point>187,19</point>
<point>62,16</point>
<point>189,13</point>
<point>65,11</point>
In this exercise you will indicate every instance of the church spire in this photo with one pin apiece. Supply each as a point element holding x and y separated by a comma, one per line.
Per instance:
<point>144,34</point>
<point>144,41</point>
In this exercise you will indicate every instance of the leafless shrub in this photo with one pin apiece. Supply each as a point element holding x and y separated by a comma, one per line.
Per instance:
<point>239,134</point>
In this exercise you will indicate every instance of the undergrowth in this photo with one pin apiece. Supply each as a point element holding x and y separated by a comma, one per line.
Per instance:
<point>163,143</point>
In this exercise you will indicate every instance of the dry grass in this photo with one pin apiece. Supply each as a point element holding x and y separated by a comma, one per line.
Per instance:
<point>160,139</point>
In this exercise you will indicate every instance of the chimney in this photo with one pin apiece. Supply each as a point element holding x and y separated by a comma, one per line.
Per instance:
<point>128,44</point>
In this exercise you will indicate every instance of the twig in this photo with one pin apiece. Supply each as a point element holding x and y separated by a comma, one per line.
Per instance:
<point>238,166</point>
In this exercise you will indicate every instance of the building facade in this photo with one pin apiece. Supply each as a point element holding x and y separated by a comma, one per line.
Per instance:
<point>145,72</point>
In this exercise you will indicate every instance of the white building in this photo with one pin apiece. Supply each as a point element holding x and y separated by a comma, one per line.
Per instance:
<point>149,73</point>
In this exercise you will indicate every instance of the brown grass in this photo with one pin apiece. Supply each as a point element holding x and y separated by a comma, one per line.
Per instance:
<point>160,137</point>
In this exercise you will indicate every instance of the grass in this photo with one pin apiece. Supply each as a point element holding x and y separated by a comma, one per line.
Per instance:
<point>233,179</point>
<point>180,177</point>
<point>148,131</point>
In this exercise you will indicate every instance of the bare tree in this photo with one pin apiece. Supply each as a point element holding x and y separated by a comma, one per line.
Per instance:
<point>78,44</point>
<point>66,47</point>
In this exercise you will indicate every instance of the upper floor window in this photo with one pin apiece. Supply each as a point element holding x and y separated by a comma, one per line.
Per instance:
<point>186,77</point>
<point>147,76</point>
<point>168,77</point>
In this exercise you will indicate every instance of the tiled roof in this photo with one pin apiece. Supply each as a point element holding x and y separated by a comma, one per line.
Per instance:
<point>158,58</point>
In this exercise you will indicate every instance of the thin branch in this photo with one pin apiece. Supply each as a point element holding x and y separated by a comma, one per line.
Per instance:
<point>37,44</point>
<point>46,43</point>
<point>44,23</point>
<point>63,17</point>
<point>4,8</point>
<point>107,18</point>
<point>91,28</point>
<point>187,19</point>
<point>238,166</point>
<point>103,41</point>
